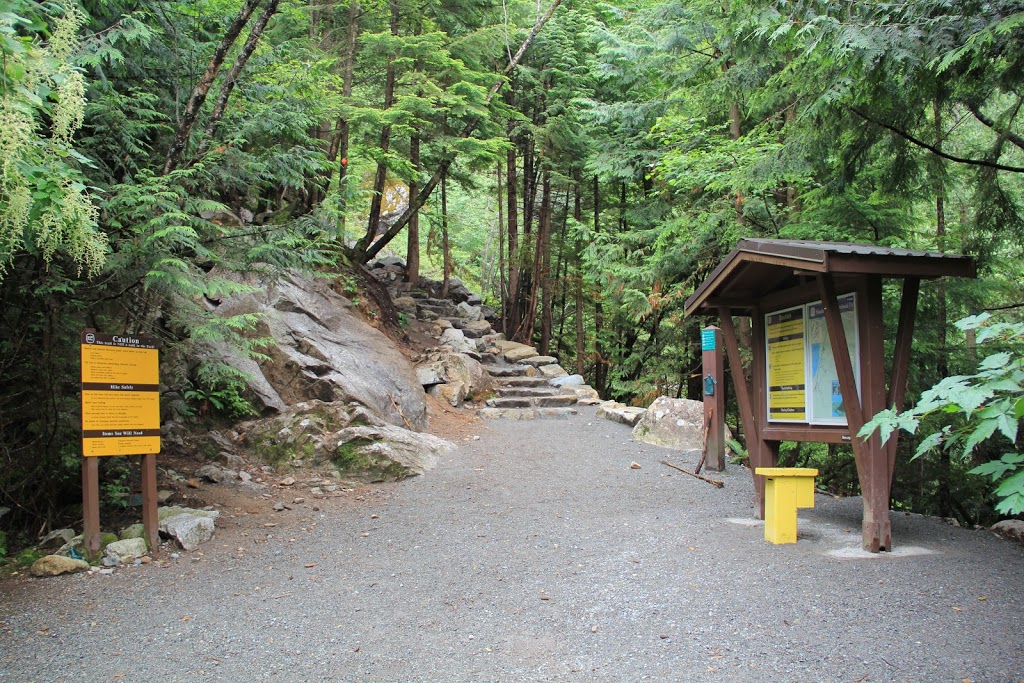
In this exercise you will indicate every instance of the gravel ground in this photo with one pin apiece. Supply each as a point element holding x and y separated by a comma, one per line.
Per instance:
<point>537,554</point>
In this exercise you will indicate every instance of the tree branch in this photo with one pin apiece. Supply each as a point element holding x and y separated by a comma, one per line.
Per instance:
<point>935,150</point>
<point>231,78</point>
<point>198,96</point>
<point>1005,134</point>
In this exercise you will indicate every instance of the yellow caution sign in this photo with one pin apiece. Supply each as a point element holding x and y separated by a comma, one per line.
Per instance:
<point>120,394</point>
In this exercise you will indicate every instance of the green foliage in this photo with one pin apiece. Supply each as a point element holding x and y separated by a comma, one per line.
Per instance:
<point>44,206</point>
<point>219,389</point>
<point>977,408</point>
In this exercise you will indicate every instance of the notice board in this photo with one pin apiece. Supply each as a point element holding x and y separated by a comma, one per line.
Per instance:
<point>120,394</point>
<point>803,383</point>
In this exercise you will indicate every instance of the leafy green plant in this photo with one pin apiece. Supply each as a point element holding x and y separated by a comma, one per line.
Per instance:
<point>985,406</point>
<point>219,389</point>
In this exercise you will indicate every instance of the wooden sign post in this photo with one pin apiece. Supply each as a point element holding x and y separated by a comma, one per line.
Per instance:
<point>713,386</point>
<point>120,416</point>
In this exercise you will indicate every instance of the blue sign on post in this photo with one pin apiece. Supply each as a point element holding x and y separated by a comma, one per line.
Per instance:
<point>707,340</point>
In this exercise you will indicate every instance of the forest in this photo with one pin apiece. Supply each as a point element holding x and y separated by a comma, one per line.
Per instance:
<point>582,164</point>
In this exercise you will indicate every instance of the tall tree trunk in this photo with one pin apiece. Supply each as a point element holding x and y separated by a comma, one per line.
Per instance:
<point>339,143</point>
<point>561,274</point>
<point>202,88</point>
<point>445,244</point>
<point>600,361</point>
<point>945,493</point>
<point>525,301</point>
<point>380,178</point>
<point>502,274</point>
<point>542,264</point>
<point>412,252</point>
<point>512,312</point>
<point>734,133</point>
<point>581,349</point>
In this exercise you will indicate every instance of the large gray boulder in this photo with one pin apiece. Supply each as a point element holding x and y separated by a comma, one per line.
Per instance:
<point>460,368</point>
<point>323,351</point>
<point>383,453</point>
<point>188,529</point>
<point>457,341</point>
<point>672,423</point>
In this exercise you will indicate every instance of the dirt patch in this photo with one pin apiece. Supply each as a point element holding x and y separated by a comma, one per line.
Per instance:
<point>454,424</point>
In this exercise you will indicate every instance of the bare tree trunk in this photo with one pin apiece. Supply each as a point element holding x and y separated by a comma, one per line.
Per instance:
<point>734,133</point>
<point>581,349</point>
<point>202,88</point>
<point>380,178</point>
<point>600,362</point>
<point>446,245</point>
<point>412,255</point>
<point>511,317</point>
<point>502,274</point>
<point>543,264</point>
<point>339,143</point>
<point>945,493</point>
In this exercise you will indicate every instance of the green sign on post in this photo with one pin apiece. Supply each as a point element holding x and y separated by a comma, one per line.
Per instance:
<point>707,340</point>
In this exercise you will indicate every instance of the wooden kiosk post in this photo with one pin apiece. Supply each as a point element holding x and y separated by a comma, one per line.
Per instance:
<point>713,385</point>
<point>818,370</point>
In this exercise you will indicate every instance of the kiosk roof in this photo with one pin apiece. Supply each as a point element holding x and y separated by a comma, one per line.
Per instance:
<point>757,267</point>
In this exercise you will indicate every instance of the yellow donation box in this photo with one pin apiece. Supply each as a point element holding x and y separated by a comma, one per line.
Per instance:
<point>786,489</point>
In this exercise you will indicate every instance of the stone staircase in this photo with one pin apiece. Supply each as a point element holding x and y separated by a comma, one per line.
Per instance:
<point>530,386</point>
<point>526,384</point>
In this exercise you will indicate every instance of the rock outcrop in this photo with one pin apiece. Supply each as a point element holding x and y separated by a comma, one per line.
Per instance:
<point>323,351</point>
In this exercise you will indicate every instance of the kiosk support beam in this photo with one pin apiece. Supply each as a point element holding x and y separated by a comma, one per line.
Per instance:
<point>762,453</point>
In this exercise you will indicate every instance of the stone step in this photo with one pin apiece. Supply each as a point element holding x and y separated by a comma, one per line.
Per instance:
<point>475,333</point>
<point>527,392</point>
<point>510,402</point>
<point>522,382</point>
<point>507,370</point>
<point>440,311</point>
<point>558,401</point>
<point>525,413</point>
<point>542,401</point>
<point>537,361</point>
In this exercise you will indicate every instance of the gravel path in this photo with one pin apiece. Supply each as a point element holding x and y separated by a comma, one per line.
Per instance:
<point>536,554</point>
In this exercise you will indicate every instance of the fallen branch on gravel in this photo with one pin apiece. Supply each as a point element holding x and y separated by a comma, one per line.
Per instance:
<point>714,482</point>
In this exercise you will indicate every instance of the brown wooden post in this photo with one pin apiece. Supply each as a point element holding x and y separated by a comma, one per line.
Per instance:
<point>901,361</point>
<point>876,528</point>
<point>713,379</point>
<point>91,507</point>
<point>868,453</point>
<point>150,515</point>
<point>761,452</point>
<point>744,398</point>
